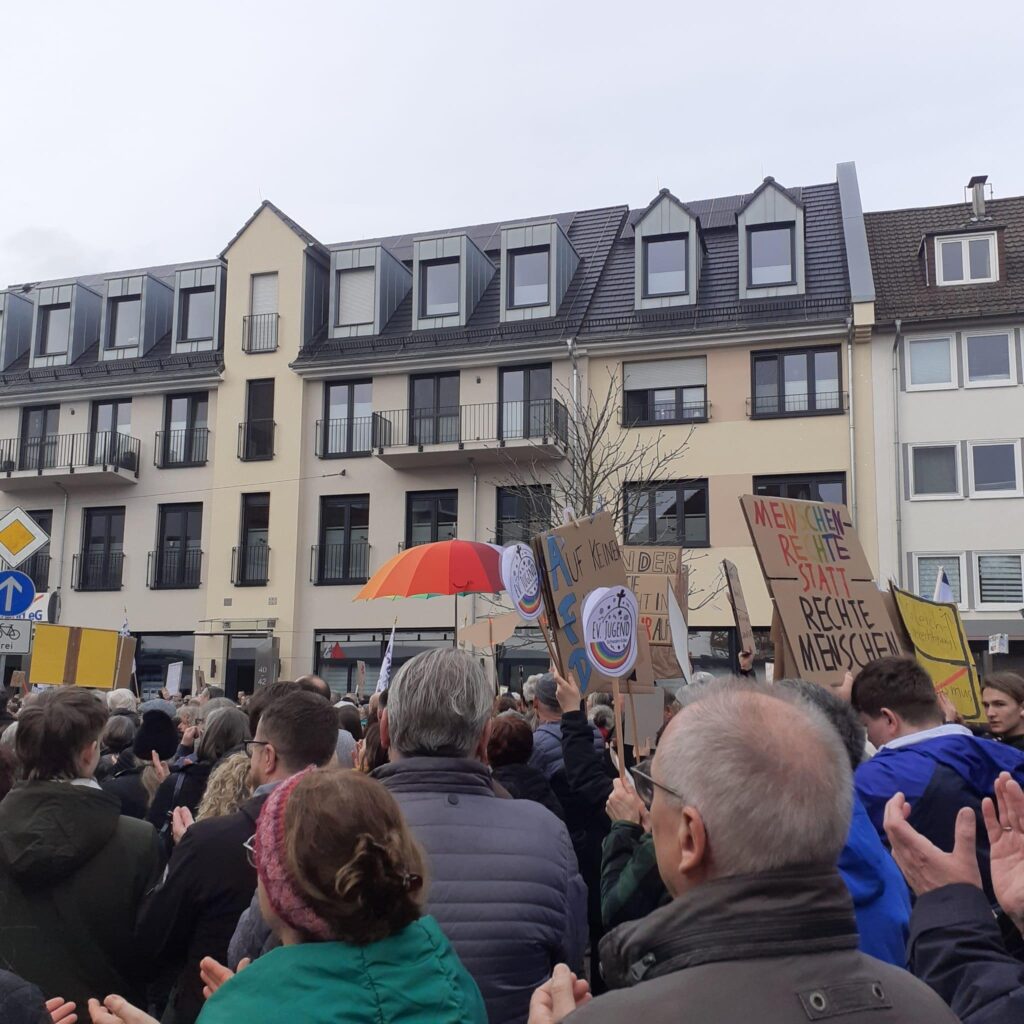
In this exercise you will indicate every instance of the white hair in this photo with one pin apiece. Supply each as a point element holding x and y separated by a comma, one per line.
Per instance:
<point>768,774</point>
<point>530,687</point>
<point>122,700</point>
<point>701,678</point>
<point>438,705</point>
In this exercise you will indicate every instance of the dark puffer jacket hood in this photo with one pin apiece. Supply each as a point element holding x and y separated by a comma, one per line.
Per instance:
<point>50,829</point>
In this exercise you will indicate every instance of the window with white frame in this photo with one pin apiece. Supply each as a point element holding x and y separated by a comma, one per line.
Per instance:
<point>989,360</point>
<point>928,569</point>
<point>1000,580</point>
<point>935,471</point>
<point>966,259</point>
<point>930,364</point>
<point>995,469</point>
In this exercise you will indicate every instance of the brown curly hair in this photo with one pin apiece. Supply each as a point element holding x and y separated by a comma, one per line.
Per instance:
<point>336,817</point>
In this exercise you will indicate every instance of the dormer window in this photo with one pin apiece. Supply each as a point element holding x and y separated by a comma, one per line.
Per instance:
<point>772,251</point>
<point>439,288</point>
<point>969,259</point>
<point>355,296</point>
<point>528,276</point>
<point>125,321</point>
<point>665,265</point>
<point>56,330</point>
<point>197,314</point>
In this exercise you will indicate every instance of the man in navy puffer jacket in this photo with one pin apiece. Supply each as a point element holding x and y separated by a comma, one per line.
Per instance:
<point>503,879</point>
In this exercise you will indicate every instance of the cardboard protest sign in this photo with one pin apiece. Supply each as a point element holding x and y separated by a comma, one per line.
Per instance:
<point>173,681</point>
<point>72,656</point>
<point>832,614</point>
<point>739,606</point>
<point>490,631</point>
<point>647,569</point>
<point>573,560</point>
<point>936,632</point>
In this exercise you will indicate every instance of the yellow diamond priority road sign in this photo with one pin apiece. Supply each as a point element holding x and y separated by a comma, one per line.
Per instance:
<point>20,537</point>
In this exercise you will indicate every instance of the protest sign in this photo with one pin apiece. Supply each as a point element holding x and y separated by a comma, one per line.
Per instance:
<point>739,606</point>
<point>936,632</point>
<point>73,656</point>
<point>610,630</point>
<point>643,716</point>
<point>522,581</point>
<point>647,569</point>
<point>573,560</point>
<point>489,632</point>
<point>832,614</point>
<point>173,682</point>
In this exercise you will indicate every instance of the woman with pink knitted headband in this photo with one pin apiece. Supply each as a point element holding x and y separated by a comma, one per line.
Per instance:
<point>341,884</point>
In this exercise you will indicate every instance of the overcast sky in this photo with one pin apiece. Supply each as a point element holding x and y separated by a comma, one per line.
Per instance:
<point>142,133</point>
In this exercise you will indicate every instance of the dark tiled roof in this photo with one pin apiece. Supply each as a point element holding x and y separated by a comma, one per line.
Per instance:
<point>599,304</point>
<point>591,232</point>
<point>894,239</point>
<point>718,307</point>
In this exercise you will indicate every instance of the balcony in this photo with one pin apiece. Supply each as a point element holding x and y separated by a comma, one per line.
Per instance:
<point>489,432</point>
<point>256,440</point>
<point>171,568</point>
<point>37,568</point>
<point>95,459</point>
<point>178,449</point>
<point>250,565</point>
<point>341,439</point>
<point>339,564</point>
<point>103,571</point>
<point>773,407</point>
<point>259,333</point>
<point>666,414</point>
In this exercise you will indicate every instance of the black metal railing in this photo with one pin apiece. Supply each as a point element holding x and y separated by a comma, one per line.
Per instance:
<point>256,440</point>
<point>665,413</point>
<point>259,332</point>
<point>339,563</point>
<point>250,565</point>
<point>37,568</point>
<point>545,421</point>
<point>174,568</point>
<point>176,448</point>
<point>822,403</point>
<point>97,571</point>
<point>354,436</point>
<point>108,449</point>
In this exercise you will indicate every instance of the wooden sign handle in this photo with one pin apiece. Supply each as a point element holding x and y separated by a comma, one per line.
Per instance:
<point>619,725</point>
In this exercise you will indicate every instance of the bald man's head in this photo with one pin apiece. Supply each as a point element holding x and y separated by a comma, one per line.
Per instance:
<point>767,774</point>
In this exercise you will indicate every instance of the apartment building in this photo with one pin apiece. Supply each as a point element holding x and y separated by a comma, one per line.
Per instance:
<point>946,369</point>
<point>226,450</point>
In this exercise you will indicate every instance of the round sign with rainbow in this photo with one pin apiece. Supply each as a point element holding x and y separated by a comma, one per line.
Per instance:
<point>610,620</point>
<point>522,581</point>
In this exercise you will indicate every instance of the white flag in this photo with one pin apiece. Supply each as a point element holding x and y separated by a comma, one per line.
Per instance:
<point>943,591</point>
<point>385,665</point>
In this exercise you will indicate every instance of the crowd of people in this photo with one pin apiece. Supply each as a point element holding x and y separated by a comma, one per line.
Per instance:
<point>433,854</point>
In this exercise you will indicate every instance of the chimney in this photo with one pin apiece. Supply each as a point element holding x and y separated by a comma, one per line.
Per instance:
<point>977,187</point>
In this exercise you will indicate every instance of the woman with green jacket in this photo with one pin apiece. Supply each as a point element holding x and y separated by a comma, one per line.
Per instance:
<point>341,884</point>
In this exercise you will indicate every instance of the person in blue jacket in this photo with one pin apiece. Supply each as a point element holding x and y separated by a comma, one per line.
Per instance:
<point>938,767</point>
<point>881,900</point>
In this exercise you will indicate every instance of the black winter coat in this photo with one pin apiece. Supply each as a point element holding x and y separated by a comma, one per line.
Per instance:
<point>956,949</point>
<point>20,1002</point>
<point>193,913</point>
<point>524,782</point>
<point>73,873</point>
<point>184,787</point>
<point>124,780</point>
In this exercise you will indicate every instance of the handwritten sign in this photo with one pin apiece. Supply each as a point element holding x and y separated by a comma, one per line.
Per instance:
<point>573,560</point>
<point>941,648</point>
<point>834,617</point>
<point>610,626</point>
<point>522,581</point>
<point>646,572</point>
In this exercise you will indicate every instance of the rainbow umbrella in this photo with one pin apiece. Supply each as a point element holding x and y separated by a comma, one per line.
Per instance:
<point>445,568</point>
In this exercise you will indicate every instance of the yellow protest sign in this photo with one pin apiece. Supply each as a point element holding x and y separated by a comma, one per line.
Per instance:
<point>941,648</point>
<point>73,656</point>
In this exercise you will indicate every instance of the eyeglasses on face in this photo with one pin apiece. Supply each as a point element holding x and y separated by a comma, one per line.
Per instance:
<point>250,850</point>
<point>646,785</point>
<point>249,744</point>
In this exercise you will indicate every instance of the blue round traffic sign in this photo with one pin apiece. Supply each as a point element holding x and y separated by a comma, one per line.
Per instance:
<point>17,592</point>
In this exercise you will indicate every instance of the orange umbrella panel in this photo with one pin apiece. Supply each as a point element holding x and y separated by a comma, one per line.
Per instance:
<point>444,568</point>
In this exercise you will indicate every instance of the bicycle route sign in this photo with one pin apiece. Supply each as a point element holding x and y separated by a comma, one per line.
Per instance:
<point>15,636</point>
<point>17,592</point>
